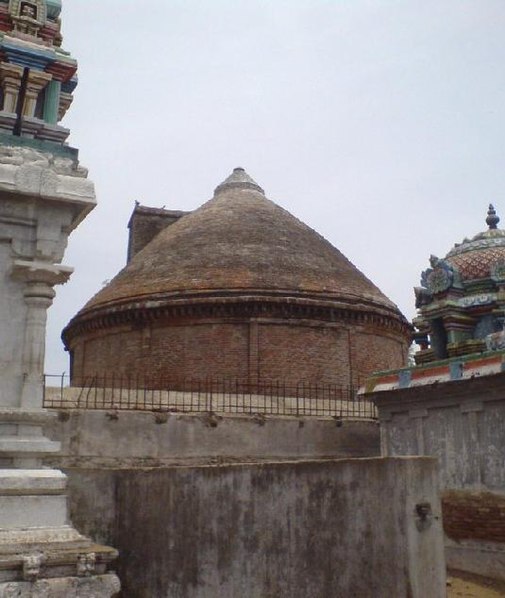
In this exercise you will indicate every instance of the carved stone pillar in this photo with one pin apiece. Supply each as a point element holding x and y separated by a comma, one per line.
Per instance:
<point>66,100</point>
<point>23,440</point>
<point>39,278</point>
<point>42,198</point>
<point>37,80</point>
<point>10,80</point>
<point>38,298</point>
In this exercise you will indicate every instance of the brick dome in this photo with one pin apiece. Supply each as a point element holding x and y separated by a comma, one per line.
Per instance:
<point>241,258</point>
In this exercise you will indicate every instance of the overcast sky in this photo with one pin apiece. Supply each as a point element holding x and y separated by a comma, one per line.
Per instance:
<point>378,123</point>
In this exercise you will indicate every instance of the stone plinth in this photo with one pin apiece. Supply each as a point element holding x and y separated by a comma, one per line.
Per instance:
<point>67,587</point>
<point>41,554</point>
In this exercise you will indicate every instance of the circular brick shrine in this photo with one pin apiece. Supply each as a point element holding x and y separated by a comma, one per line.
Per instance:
<point>237,289</point>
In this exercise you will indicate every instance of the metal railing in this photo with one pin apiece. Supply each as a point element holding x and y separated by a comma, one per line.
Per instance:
<point>215,395</point>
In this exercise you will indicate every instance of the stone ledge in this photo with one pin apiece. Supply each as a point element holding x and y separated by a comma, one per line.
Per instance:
<point>55,539</point>
<point>28,481</point>
<point>84,560</point>
<point>26,416</point>
<point>56,555</point>
<point>27,445</point>
<point>100,586</point>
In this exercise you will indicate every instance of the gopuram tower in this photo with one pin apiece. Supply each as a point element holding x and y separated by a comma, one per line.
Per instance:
<point>44,194</point>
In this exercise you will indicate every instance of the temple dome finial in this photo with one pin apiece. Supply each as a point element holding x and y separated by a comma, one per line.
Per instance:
<point>239,179</point>
<point>492,219</point>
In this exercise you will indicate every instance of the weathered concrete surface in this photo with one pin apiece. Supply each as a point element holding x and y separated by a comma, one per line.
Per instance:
<point>481,558</point>
<point>461,423</point>
<point>130,439</point>
<point>327,529</point>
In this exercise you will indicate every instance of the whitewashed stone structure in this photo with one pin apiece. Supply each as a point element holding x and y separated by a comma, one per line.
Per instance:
<point>44,194</point>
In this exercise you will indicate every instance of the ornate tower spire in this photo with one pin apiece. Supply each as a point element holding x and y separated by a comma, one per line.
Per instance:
<point>37,77</point>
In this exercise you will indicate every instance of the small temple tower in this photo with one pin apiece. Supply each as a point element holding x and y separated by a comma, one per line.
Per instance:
<point>451,404</point>
<point>461,300</point>
<point>44,194</point>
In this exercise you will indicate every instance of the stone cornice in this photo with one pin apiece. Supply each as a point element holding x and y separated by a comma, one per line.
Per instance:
<point>26,416</point>
<point>29,172</point>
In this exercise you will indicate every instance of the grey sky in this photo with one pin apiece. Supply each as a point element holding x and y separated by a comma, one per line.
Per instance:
<point>378,123</point>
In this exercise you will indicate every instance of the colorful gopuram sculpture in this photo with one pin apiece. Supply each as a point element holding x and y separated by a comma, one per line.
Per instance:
<point>461,300</point>
<point>37,77</point>
<point>44,194</point>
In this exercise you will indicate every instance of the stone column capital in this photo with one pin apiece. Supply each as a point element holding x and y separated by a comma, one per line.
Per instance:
<point>40,272</point>
<point>10,80</point>
<point>37,80</point>
<point>66,100</point>
<point>11,72</point>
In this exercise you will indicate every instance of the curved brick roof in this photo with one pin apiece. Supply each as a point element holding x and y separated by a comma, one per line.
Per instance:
<point>239,243</point>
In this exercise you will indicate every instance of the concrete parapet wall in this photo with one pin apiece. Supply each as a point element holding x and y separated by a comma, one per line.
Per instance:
<point>129,438</point>
<point>365,527</point>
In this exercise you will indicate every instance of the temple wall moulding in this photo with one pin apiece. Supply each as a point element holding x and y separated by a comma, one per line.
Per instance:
<point>38,174</point>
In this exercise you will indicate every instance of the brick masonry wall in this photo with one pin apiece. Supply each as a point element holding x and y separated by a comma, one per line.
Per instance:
<point>474,516</point>
<point>371,352</point>
<point>118,352</point>
<point>144,226</point>
<point>278,350</point>
<point>318,353</point>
